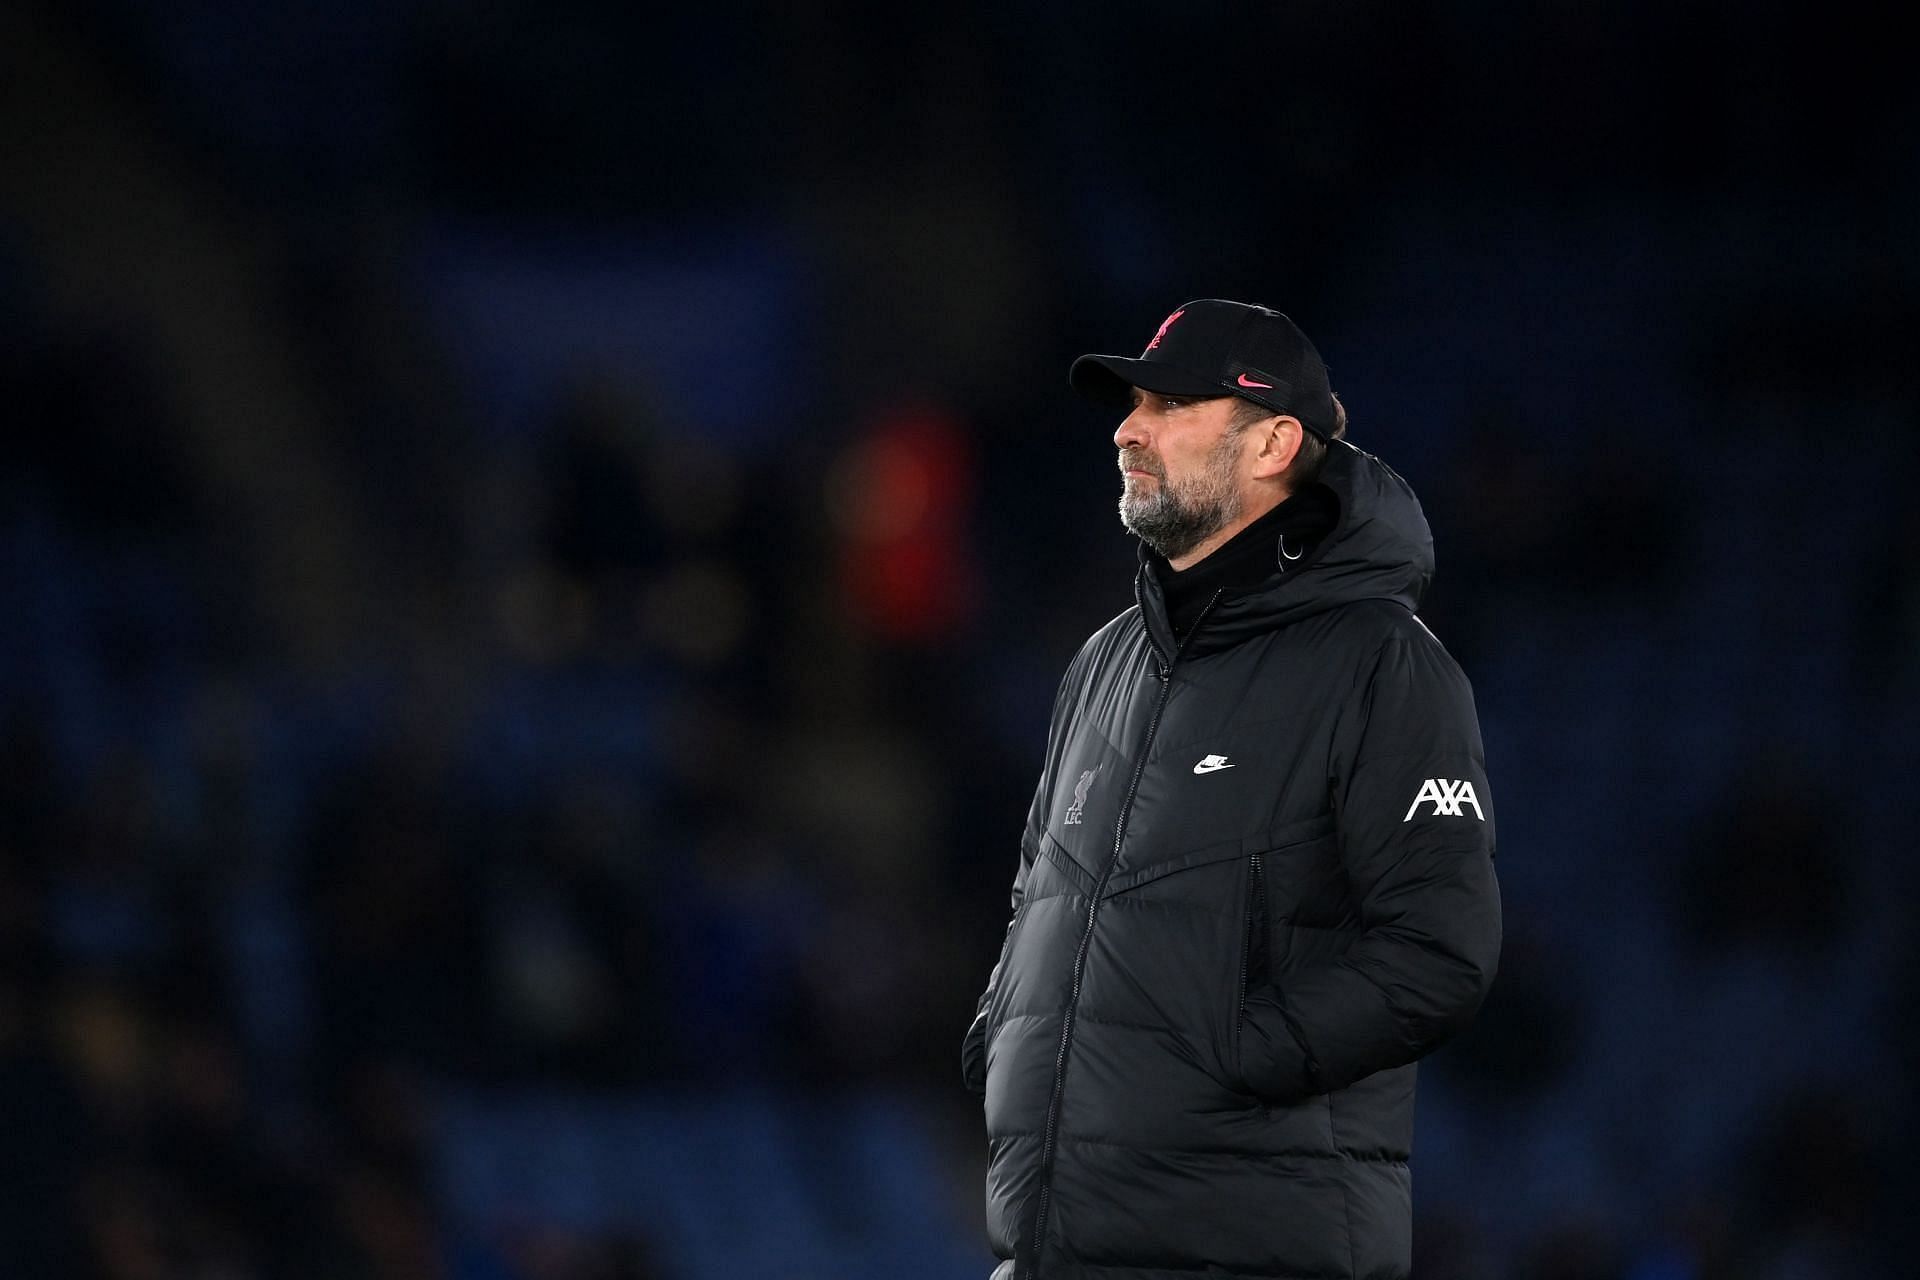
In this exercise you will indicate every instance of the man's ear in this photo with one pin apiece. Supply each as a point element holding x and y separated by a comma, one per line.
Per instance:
<point>1279,444</point>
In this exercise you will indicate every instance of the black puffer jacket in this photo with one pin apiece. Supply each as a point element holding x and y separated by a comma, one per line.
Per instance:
<point>1256,884</point>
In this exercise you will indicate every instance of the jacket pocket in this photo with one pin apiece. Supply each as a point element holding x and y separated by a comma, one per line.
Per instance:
<point>1275,873</point>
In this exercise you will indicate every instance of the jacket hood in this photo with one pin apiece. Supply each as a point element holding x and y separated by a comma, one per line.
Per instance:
<point>1381,548</point>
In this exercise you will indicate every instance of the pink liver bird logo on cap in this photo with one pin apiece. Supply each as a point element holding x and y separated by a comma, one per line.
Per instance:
<point>1165,325</point>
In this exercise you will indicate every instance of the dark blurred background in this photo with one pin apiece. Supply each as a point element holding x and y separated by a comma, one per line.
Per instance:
<point>537,541</point>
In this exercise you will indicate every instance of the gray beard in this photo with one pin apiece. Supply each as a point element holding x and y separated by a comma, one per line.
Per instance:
<point>1174,520</point>
<point>1171,526</point>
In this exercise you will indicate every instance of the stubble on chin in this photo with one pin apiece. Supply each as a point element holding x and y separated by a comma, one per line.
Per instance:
<point>1166,523</point>
<point>1175,519</point>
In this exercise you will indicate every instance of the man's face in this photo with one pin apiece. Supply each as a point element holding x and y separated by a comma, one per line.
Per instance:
<point>1180,464</point>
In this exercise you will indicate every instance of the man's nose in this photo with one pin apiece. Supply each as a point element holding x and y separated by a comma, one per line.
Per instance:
<point>1130,434</point>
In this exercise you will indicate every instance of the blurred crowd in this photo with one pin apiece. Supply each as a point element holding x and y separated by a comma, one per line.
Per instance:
<point>502,606</point>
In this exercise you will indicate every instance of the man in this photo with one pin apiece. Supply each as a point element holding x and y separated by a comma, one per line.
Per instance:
<point>1257,880</point>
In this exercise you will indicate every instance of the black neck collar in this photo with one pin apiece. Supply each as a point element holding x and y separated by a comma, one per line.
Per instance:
<point>1263,550</point>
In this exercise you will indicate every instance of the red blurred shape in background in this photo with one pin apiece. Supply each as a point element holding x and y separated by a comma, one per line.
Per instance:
<point>901,496</point>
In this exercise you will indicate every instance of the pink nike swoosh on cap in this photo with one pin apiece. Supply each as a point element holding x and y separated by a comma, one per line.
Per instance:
<point>1245,381</point>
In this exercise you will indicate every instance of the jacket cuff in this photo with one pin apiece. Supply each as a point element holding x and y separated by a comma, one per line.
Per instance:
<point>1274,1064</point>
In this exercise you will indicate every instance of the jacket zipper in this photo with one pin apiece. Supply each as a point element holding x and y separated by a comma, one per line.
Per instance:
<point>1255,945</point>
<point>1050,1141</point>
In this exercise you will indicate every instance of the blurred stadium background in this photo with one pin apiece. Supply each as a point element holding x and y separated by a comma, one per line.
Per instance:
<point>537,540</point>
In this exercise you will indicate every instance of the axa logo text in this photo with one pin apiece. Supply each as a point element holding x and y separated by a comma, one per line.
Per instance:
<point>1447,797</point>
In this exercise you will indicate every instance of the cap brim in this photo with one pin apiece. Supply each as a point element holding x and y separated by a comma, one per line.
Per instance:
<point>1110,380</point>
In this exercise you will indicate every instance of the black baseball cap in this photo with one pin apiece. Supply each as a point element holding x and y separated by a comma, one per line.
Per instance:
<point>1213,347</point>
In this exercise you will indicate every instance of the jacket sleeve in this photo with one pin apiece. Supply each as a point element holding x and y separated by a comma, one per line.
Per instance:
<point>1415,824</point>
<point>973,1048</point>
